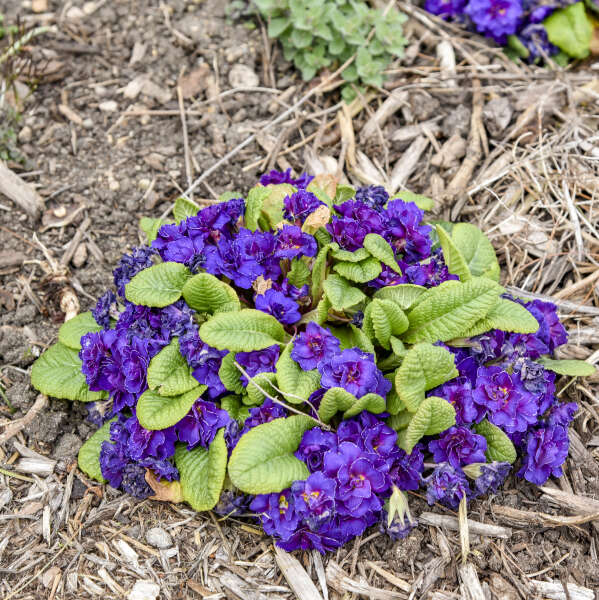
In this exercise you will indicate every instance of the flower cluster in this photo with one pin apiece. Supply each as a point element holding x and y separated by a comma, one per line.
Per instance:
<point>352,472</point>
<point>518,23</point>
<point>323,349</point>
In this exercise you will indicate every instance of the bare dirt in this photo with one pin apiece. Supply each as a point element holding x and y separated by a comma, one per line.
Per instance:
<point>509,147</point>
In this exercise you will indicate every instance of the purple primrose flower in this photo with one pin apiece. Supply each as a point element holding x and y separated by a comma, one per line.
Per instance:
<point>458,446</point>
<point>314,345</point>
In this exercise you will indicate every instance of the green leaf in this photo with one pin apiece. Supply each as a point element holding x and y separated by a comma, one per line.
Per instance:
<point>404,294</point>
<point>292,379</point>
<point>232,404</point>
<point>242,331</point>
<point>257,383</point>
<point>456,263</point>
<point>352,257</point>
<point>400,421</point>
<point>476,249</point>
<point>202,472</point>
<point>397,346</point>
<point>89,454</point>
<point>383,319</point>
<point>277,26</point>
<point>434,415</point>
<point>57,373</point>
<point>263,461</point>
<point>507,316</point>
<point>206,293</point>
<point>71,331</point>
<point>573,368</point>
<point>344,192</point>
<point>571,30</point>
<point>299,273</point>
<point>230,375</point>
<point>422,202</point>
<point>322,310</point>
<point>394,403</point>
<point>253,206</point>
<point>168,372</point>
<point>158,285</point>
<point>449,311</point>
<point>424,367</point>
<point>371,402</point>
<point>319,271</point>
<point>360,272</point>
<point>380,248</point>
<point>273,203</point>
<point>159,412</point>
<point>335,400</point>
<point>150,227</point>
<point>341,293</point>
<point>185,208</point>
<point>499,445</point>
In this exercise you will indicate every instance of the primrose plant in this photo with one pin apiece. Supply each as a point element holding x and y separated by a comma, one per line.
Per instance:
<point>297,356</point>
<point>530,29</point>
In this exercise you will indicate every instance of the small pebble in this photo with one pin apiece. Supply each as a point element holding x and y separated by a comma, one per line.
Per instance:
<point>80,255</point>
<point>25,135</point>
<point>242,76</point>
<point>144,590</point>
<point>108,106</point>
<point>159,538</point>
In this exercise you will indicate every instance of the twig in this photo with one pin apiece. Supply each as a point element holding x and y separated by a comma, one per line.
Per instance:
<point>21,193</point>
<point>576,287</point>
<point>188,167</point>
<point>276,400</point>
<point>14,427</point>
<point>475,527</point>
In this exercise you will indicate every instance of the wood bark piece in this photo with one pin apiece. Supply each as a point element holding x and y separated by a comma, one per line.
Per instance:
<point>21,193</point>
<point>475,527</point>
<point>384,111</point>
<point>555,591</point>
<point>341,582</point>
<point>469,583</point>
<point>297,578</point>
<point>406,165</point>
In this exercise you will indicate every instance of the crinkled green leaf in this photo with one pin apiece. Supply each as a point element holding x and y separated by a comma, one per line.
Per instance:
<point>168,372</point>
<point>400,420</point>
<point>499,445</point>
<point>380,248</point>
<point>206,293</point>
<point>89,454</point>
<point>277,26</point>
<point>242,331</point>
<point>263,461</point>
<point>232,404</point>
<point>424,367</point>
<point>293,381</point>
<point>456,263</point>
<point>335,400</point>
<point>383,319</point>
<point>371,402</point>
<point>394,403</point>
<point>341,293</point>
<point>404,294</point>
<point>343,193</point>
<point>434,415</point>
<point>202,472</point>
<point>422,202</point>
<point>397,346</point>
<point>352,257</point>
<point>573,368</point>
<point>352,337</point>
<point>229,374</point>
<point>299,273</point>
<point>71,331</point>
<point>57,373</point>
<point>158,285</point>
<point>476,249</point>
<point>322,310</point>
<point>571,30</point>
<point>253,206</point>
<point>159,412</point>
<point>258,387</point>
<point>507,316</point>
<point>150,227</point>
<point>185,208</point>
<point>359,272</point>
<point>449,311</point>
<point>273,203</point>
<point>319,271</point>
